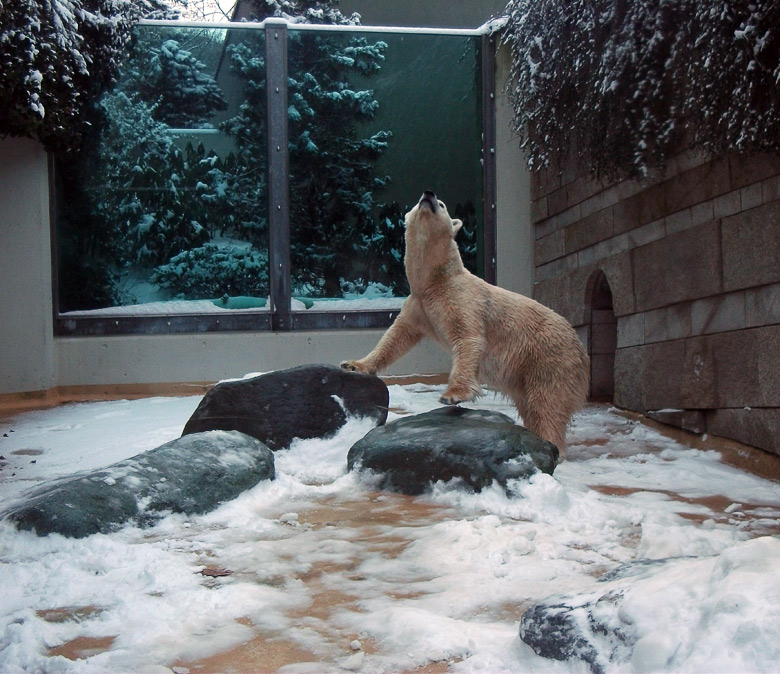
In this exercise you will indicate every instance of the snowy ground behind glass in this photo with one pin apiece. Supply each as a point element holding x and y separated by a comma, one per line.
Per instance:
<point>317,571</point>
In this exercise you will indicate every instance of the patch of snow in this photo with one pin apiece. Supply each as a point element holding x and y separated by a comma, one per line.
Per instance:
<point>406,581</point>
<point>374,298</point>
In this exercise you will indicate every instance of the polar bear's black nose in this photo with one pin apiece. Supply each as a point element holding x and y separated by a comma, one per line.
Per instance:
<point>430,199</point>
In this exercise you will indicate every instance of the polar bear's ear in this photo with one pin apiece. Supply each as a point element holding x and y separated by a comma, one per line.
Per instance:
<point>456,225</point>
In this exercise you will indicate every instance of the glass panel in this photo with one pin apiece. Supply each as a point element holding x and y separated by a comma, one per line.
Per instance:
<point>374,120</point>
<point>163,210</point>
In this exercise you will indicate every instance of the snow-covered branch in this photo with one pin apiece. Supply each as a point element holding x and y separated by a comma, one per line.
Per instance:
<point>621,85</point>
<point>56,56</point>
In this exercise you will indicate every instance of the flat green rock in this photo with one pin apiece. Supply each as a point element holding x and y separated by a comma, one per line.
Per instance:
<point>452,443</point>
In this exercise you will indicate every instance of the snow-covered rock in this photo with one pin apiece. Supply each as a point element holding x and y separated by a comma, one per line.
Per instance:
<point>193,474</point>
<point>475,446</point>
<point>652,616</point>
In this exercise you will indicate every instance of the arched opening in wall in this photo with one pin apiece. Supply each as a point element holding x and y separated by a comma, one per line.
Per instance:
<point>602,340</point>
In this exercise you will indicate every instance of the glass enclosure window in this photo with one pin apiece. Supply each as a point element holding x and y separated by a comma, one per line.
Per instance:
<point>164,211</point>
<point>375,119</point>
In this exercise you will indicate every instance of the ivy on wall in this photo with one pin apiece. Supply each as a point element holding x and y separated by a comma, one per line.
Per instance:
<point>620,85</point>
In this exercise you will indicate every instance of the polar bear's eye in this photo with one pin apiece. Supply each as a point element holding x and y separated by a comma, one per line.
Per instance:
<point>441,203</point>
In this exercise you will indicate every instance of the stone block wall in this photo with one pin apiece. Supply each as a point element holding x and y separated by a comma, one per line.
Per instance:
<point>692,261</point>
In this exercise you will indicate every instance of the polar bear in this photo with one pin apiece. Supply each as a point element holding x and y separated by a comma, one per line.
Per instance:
<point>510,342</point>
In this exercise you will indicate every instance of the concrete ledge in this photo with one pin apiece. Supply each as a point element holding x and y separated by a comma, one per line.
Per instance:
<point>689,420</point>
<point>13,403</point>
<point>150,359</point>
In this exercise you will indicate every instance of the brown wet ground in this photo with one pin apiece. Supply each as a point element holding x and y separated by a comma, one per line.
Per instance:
<point>14,403</point>
<point>373,518</point>
<point>735,454</point>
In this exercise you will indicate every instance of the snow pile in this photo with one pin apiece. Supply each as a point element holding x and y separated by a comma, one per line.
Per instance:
<point>375,298</point>
<point>318,567</point>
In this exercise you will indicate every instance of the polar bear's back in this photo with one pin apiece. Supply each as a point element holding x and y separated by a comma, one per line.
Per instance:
<point>528,344</point>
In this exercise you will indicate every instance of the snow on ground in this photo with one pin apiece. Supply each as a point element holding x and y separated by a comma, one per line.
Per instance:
<point>317,572</point>
<point>375,297</point>
<point>176,307</point>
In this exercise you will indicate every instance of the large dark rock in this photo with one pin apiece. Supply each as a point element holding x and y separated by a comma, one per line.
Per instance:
<point>475,446</point>
<point>311,401</point>
<point>189,475</point>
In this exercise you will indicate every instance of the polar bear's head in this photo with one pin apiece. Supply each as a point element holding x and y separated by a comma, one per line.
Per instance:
<point>430,219</point>
<point>430,241</point>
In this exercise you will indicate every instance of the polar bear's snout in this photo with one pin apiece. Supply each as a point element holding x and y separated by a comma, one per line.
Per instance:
<point>429,199</point>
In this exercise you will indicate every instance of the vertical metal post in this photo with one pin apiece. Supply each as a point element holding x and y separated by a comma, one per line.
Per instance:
<point>51,166</point>
<point>278,173</point>
<point>489,154</point>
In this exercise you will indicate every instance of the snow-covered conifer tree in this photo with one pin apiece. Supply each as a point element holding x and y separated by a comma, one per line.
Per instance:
<point>150,195</point>
<point>55,59</point>
<point>143,197</point>
<point>173,81</point>
<point>332,174</point>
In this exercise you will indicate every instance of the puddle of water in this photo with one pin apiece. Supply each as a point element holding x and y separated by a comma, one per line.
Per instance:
<point>757,519</point>
<point>83,647</point>
<point>69,613</point>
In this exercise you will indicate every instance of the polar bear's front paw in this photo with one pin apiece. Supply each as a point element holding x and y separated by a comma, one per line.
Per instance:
<point>456,397</point>
<point>450,399</point>
<point>352,366</point>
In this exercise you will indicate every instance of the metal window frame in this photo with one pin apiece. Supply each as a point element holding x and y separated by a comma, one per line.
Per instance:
<point>281,317</point>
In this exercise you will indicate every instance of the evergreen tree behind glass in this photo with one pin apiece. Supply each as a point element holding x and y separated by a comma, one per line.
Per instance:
<point>168,197</point>
<point>333,181</point>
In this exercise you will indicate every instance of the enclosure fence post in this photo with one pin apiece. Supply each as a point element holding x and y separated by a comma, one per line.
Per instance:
<point>489,155</point>
<point>278,173</point>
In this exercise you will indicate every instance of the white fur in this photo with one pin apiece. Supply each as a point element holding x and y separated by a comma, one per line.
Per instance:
<point>506,340</point>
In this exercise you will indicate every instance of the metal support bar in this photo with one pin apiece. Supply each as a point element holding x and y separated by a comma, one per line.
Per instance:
<point>489,155</point>
<point>171,324</point>
<point>319,27</point>
<point>278,173</point>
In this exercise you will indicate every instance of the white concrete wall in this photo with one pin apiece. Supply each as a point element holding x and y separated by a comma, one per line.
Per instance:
<point>152,359</point>
<point>514,229</point>
<point>26,357</point>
